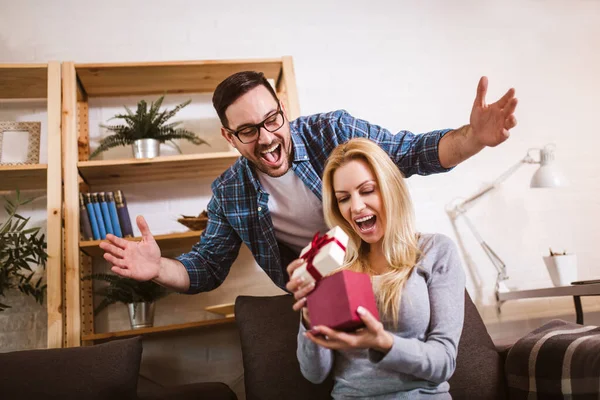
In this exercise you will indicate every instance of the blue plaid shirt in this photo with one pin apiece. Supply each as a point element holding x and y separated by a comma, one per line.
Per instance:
<point>237,211</point>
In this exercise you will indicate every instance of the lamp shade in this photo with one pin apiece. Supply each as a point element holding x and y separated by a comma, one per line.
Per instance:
<point>547,175</point>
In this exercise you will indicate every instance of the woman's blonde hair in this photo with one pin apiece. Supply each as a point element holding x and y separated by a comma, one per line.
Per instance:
<point>400,241</point>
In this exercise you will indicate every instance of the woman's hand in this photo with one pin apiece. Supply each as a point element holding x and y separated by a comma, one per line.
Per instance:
<point>372,336</point>
<point>300,289</point>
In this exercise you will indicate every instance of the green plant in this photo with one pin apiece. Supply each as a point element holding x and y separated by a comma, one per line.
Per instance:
<point>146,124</point>
<point>557,253</point>
<point>20,248</point>
<point>126,290</point>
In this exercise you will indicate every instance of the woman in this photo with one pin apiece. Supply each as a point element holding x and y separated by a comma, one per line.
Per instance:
<point>417,279</point>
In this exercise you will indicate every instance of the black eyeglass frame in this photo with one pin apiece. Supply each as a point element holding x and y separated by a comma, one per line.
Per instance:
<point>259,126</point>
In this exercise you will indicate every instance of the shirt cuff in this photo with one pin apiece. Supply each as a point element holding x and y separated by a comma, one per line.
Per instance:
<point>193,275</point>
<point>433,141</point>
<point>400,357</point>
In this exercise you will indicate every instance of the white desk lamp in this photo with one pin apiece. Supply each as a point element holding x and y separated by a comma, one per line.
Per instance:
<point>547,176</point>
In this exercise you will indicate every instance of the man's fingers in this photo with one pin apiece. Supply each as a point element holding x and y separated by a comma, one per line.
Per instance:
<point>114,260</point>
<point>144,228</point>
<point>125,273</point>
<point>112,249</point>
<point>510,122</point>
<point>481,91</point>
<point>506,98</point>
<point>117,241</point>
<point>510,107</point>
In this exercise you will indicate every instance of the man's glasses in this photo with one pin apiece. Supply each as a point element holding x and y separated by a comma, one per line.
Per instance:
<point>250,133</point>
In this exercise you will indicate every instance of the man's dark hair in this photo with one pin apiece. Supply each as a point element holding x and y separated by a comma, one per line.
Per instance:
<point>234,87</point>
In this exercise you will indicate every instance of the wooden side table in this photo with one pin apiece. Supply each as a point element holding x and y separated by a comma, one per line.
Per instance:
<point>573,290</point>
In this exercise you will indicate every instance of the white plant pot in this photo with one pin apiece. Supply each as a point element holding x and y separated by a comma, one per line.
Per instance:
<point>562,269</point>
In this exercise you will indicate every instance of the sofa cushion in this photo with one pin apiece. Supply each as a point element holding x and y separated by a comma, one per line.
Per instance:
<point>106,371</point>
<point>268,333</point>
<point>479,370</point>
<point>192,391</point>
<point>558,360</point>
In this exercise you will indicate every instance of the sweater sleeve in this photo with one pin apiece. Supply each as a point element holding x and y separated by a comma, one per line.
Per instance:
<point>315,361</point>
<point>433,359</point>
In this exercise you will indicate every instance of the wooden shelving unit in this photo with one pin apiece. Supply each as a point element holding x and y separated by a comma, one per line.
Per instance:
<point>187,166</point>
<point>159,329</point>
<point>174,241</point>
<point>42,81</point>
<point>83,81</point>
<point>24,177</point>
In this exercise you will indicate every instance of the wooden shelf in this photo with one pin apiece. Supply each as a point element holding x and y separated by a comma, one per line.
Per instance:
<point>159,329</point>
<point>226,310</point>
<point>173,241</point>
<point>130,79</point>
<point>23,177</point>
<point>23,81</point>
<point>208,165</point>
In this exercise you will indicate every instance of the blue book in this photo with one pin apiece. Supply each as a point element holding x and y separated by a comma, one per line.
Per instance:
<point>114,217</point>
<point>105,214</point>
<point>92,215</point>
<point>99,217</point>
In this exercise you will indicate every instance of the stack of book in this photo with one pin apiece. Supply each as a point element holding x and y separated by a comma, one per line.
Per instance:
<point>101,213</point>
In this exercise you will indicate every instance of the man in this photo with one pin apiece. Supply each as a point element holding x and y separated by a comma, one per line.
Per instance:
<point>270,199</point>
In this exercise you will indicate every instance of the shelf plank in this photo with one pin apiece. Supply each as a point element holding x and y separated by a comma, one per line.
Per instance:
<point>227,309</point>
<point>23,81</point>
<point>129,79</point>
<point>173,241</point>
<point>159,329</point>
<point>24,177</point>
<point>208,165</point>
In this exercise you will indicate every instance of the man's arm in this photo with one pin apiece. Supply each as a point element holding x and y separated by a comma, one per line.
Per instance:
<point>489,126</point>
<point>173,275</point>
<point>202,269</point>
<point>208,263</point>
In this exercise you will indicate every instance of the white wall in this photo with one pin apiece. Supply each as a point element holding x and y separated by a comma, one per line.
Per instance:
<point>403,65</point>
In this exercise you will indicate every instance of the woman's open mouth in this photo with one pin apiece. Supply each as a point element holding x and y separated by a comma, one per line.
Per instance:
<point>272,155</point>
<point>366,224</point>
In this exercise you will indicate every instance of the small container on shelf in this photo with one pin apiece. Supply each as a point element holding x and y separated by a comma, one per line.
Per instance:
<point>194,223</point>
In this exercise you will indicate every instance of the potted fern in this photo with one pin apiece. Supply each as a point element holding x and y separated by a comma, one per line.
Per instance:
<point>146,129</point>
<point>140,297</point>
<point>21,248</point>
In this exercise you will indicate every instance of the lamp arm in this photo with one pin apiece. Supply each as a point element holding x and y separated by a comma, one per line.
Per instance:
<point>494,258</point>
<point>461,207</point>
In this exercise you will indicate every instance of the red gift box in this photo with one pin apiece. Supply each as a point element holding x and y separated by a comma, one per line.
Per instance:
<point>335,299</point>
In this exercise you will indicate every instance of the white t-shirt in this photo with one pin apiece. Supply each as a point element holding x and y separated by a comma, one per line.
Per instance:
<point>296,212</point>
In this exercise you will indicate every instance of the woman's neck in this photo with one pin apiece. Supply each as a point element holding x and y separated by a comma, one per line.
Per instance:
<point>378,264</point>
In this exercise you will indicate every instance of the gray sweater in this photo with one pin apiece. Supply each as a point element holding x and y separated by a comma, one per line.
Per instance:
<point>423,356</point>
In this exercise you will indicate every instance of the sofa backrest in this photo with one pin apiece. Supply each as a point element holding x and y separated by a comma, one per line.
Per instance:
<point>102,372</point>
<point>479,370</point>
<point>268,332</point>
<point>268,328</point>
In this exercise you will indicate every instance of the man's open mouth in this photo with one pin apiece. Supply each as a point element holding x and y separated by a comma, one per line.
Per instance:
<point>272,155</point>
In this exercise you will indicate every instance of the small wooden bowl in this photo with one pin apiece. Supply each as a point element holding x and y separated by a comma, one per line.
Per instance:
<point>194,223</point>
